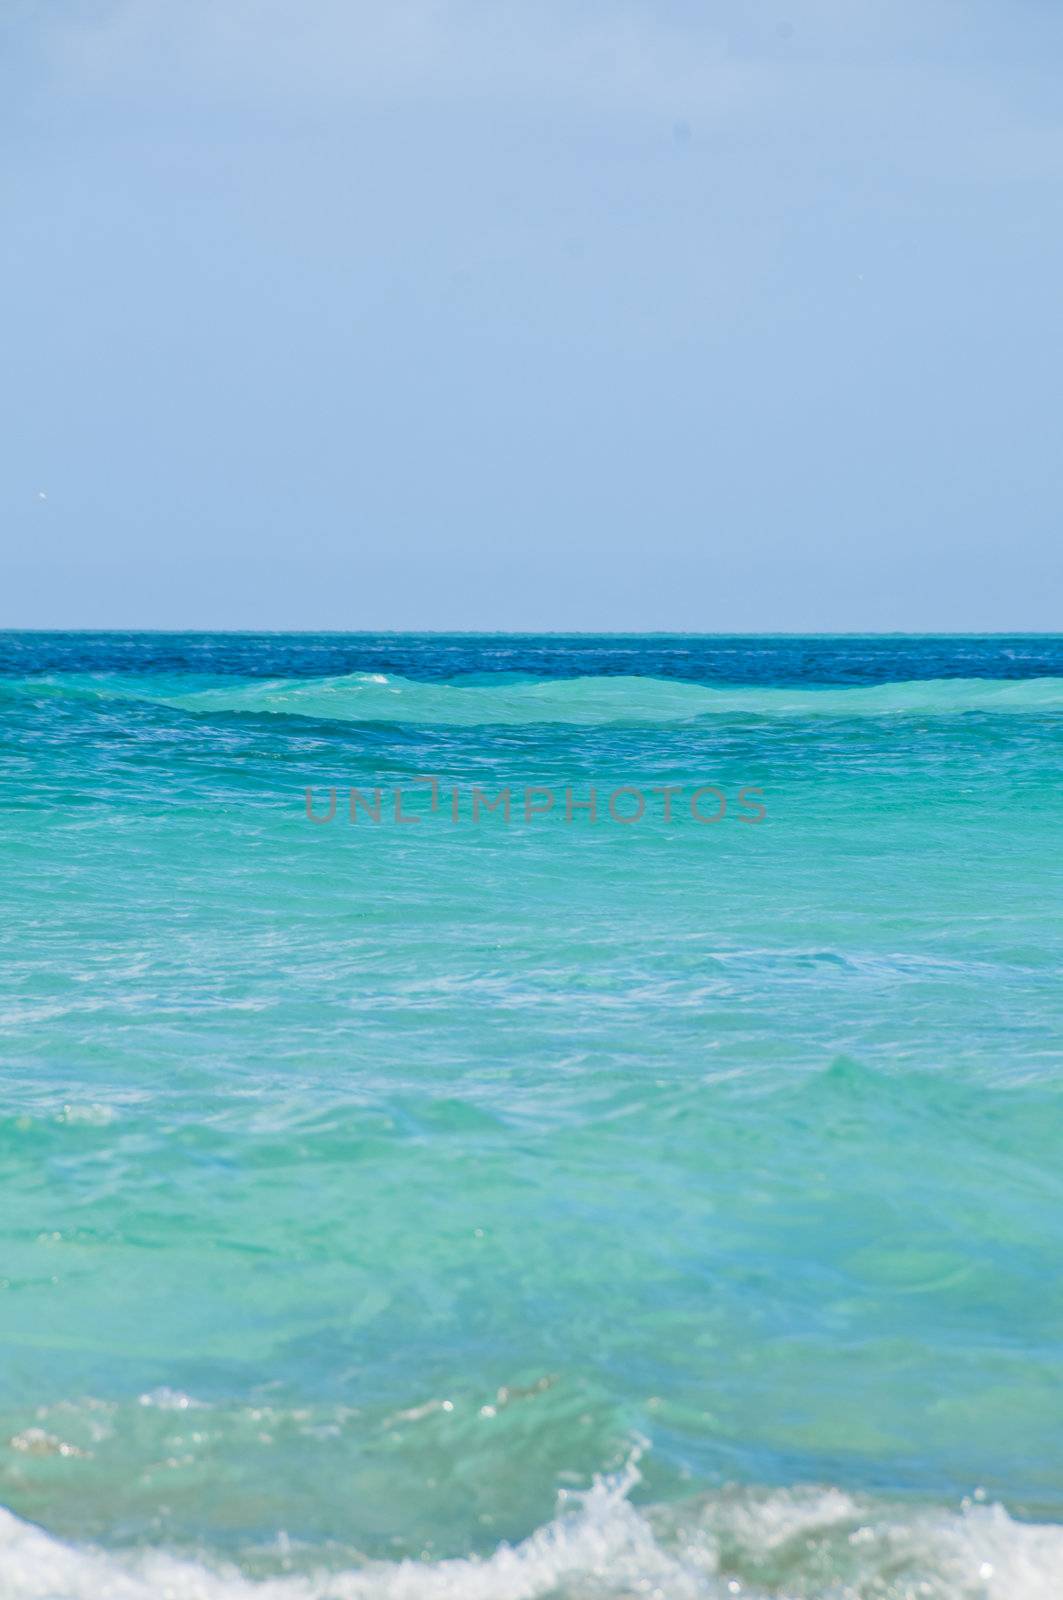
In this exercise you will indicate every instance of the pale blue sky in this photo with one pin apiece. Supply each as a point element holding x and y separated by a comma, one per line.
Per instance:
<point>590,315</point>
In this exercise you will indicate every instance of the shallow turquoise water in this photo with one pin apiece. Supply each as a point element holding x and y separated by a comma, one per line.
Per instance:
<point>367,1187</point>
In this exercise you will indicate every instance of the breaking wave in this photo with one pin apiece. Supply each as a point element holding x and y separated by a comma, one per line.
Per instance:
<point>593,701</point>
<point>797,1544</point>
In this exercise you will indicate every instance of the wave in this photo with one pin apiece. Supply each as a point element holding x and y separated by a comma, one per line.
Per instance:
<point>806,1543</point>
<point>588,702</point>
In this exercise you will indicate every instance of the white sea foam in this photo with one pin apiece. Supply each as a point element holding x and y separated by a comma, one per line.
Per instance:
<point>801,1544</point>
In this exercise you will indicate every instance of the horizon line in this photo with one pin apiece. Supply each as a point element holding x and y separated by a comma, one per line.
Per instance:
<point>560,633</point>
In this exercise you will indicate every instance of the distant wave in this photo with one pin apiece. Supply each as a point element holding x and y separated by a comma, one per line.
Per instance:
<point>820,1543</point>
<point>587,702</point>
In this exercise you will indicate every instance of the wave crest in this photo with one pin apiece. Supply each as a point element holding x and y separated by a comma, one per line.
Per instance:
<point>587,702</point>
<point>804,1543</point>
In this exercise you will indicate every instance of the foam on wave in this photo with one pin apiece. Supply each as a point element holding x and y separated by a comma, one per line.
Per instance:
<point>799,1544</point>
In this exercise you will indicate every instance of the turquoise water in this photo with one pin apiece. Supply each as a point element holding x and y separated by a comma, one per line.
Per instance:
<point>542,1208</point>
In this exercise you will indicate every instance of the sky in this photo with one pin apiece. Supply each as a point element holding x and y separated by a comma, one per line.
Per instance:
<point>531,314</point>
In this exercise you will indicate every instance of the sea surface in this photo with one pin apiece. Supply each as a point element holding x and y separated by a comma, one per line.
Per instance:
<point>547,1207</point>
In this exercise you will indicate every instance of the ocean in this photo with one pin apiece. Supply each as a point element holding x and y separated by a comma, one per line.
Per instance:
<point>411,1199</point>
